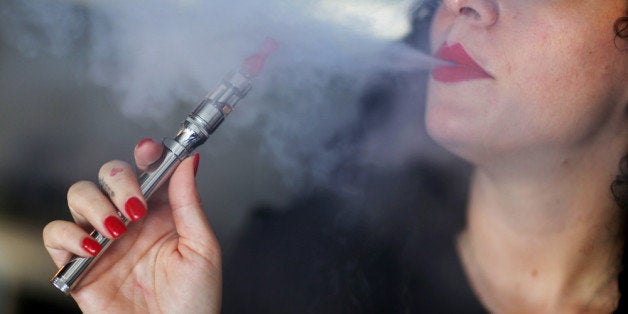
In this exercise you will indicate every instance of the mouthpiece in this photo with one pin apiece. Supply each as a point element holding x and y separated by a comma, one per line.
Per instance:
<point>253,65</point>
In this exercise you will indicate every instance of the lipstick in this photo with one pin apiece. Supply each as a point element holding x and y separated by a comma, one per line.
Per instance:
<point>461,67</point>
<point>197,128</point>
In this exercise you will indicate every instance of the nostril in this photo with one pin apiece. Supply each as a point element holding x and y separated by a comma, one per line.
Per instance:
<point>468,11</point>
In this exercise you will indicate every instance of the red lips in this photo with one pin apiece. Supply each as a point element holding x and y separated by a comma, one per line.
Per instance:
<point>463,67</point>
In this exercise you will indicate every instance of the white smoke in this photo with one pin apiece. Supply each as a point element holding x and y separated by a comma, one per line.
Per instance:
<point>154,55</point>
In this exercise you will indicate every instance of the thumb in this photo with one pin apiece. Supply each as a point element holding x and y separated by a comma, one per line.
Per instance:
<point>188,215</point>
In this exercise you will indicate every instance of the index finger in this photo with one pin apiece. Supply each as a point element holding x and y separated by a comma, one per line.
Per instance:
<point>147,151</point>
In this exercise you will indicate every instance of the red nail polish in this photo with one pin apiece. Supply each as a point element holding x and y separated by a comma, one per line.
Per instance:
<point>115,226</point>
<point>135,209</point>
<point>91,246</point>
<point>143,141</point>
<point>196,160</point>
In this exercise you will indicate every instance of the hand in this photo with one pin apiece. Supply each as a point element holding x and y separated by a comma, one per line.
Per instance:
<point>166,262</point>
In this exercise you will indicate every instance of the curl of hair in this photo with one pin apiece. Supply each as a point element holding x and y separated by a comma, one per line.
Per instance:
<point>621,27</point>
<point>619,188</point>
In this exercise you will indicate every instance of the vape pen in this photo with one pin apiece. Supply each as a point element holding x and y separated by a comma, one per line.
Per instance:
<point>198,126</point>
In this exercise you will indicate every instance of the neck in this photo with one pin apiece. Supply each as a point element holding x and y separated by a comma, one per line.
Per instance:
<point>545,237</point>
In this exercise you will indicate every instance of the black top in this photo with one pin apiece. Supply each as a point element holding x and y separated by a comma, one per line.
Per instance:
<point>390,249</point>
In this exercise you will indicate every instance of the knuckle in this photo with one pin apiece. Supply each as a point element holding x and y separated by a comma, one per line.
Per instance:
<point>110,166</point>
<point>114,171</point>
<point>54,231</point>
<point>82,193</point>
<point>80,188</point>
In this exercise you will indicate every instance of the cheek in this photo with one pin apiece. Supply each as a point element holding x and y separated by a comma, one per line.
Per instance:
<point>564,97</point>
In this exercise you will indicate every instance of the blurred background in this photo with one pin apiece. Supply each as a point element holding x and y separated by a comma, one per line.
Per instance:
<point>81,82</point>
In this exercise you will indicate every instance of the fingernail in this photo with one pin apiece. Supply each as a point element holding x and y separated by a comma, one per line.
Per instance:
<point>91,246</point>
<point>196,159</point>
<point>143,141</point>
<point>135,208</point>
<point>115,226</point>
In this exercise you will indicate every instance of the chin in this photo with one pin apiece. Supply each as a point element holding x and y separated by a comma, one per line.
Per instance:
<point>465,139</point>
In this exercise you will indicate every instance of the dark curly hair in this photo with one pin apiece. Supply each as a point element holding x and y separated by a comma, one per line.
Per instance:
<point>619,189</point>
<point>621,27</point>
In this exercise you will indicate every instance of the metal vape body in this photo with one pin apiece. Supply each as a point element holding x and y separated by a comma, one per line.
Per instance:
<point>198,126</point>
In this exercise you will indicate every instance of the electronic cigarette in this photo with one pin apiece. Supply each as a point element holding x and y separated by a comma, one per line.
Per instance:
<point>198,126</point>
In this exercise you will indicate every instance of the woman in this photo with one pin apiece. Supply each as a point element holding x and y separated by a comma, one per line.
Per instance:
<point>539,108</point>
<point>543,118</point>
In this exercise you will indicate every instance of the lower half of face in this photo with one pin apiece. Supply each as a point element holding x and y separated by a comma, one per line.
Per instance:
<point>480,123</point>
<point>558,86</point>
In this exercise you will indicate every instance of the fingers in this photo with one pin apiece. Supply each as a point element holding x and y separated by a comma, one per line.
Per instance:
<point>63,238</point>
<point>96,207</point>
<point>90,207</point>
<point>146,153</point>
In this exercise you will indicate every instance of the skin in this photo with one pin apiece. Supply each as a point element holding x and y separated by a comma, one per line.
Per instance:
<point>169,264</point>
<point>545,136</point>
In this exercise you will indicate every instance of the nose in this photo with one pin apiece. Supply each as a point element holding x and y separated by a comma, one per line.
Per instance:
<point>482,13</point>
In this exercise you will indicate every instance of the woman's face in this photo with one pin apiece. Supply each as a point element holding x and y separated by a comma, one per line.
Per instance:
<point>537,75</point>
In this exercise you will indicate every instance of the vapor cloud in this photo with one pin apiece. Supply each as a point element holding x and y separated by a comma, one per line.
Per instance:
<point>160,57</point>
